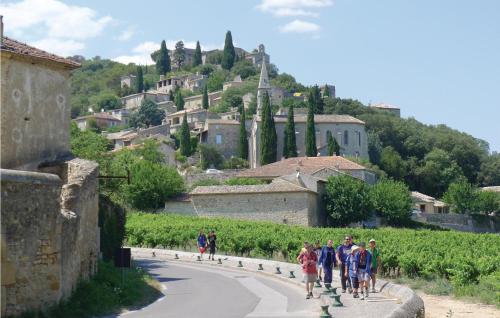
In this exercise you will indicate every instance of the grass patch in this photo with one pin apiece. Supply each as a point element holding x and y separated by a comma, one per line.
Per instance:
<point>110,291</point>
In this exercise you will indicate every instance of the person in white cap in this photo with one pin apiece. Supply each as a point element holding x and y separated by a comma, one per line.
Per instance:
<point>376,261</point>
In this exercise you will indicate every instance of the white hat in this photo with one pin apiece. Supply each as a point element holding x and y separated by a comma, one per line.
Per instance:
<point>372,240</point>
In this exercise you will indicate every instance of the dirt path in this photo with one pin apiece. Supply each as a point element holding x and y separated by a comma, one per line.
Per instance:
<point>440,306</point>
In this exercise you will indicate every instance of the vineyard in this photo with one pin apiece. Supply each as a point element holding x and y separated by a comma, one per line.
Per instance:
<point>465,259</point>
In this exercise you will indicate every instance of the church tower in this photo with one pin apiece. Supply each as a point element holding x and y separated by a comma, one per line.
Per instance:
<point>264,87</point>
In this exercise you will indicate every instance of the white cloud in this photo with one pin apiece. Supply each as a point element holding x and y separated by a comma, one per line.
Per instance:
<point>293,7</point>
<point>141,54</point>
<point>59,46</point>
<point>299,26</point>
<point>126,34</point>
<point>192,45</point>
<point>54,18</point>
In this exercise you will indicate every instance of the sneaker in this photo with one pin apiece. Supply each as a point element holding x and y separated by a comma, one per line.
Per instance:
<point>308,296</point>
<point>373,290</point>
<point>343,291</point>
<point>366,293</point>
<point>362,296</point>
<point>350,290</point>
<point>355,295</point>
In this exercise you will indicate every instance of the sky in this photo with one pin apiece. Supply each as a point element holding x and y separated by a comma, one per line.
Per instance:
<point>439,61</point>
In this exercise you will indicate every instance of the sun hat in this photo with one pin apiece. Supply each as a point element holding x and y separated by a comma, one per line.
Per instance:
<point>354,248</point>
<point>372,240</point>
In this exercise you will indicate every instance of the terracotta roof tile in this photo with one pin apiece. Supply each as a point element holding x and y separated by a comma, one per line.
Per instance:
<point>11,45</point>
<point>307,165</point>
<point>278,185</point>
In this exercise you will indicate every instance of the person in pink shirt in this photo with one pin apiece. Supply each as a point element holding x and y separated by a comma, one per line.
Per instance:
<point>309,259</point>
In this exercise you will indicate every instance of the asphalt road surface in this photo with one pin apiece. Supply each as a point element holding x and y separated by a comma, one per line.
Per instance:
<point>207,291</point>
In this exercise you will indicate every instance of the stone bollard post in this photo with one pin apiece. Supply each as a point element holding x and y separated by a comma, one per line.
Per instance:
<point>337,302</point>
<point>277,270</point>
<point>198,258</point>
<point>176,256</point>
<point>240,264</point>
<point>260,267</point>
<point>291,275</point>
<point>324,312</point>
<point>219,261</point>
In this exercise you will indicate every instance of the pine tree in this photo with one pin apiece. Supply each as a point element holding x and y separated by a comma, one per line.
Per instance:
<point>332,144</point>
<point>268,138</point>
<point>326,92</point>
<point>179,54</point>
<point>139,80</point>
<point>289,142</point>
<point>179,100</point>
<point>185,138</point>
<point>229,53</point>
<point>311,150</point>
<point>243,145</point>
<point>204,100</point>
<point>197,55</point>
<point>163,60</point>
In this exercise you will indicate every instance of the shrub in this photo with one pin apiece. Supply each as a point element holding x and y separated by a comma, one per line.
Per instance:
<point>391,199</point>
<point>210,157</point>
<point>235,163</point>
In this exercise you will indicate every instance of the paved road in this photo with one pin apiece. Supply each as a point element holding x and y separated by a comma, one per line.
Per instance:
<point>200,291</point>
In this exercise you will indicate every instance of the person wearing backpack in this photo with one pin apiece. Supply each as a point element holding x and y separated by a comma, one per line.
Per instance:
<point>328,261</point>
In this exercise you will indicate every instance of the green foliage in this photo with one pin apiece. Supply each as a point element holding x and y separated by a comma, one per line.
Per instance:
<point>110,291</point>
<point>185,138</point>
<point>229,53</point>
<point>179,157</point>
<point>197,55</point>
<point>289,141</point>
<point>347,200</point>
<point>489,175</point>
<point>243,140</point>
<point>179,100</point>
<point>311,149</point>
<point>392,163</point>
<point>162,59</point>
<point>204,99</point>
<point>149,114</point>
<point>374,147</point>
<point>333,147</point>
<point>288,82</point>
<point>326,92</point>
<point>381,174</point>
<point>244,69</point>
<point>139,81</point>
<point>111,225</point>
<point>214,58</point>
<point>179,54</point>
<point>235,163</point>
<point>149,151</point>
<point>205,182</point>
<point>463,197</point>
<point>268,137</point>
<point>243,181</point>
<point>106,100</point>
<point>205,69</point>
<point>427,253</point>
<point>88,145</point>
<point>152,184</point>
<point>317,100</point>
<point>210,157</point>
<point>391,199</point>
<point>488,202</point>
<point>216,80</point>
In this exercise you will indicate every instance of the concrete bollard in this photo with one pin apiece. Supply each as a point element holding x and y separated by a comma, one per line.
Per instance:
<point>328,290</point>
<point>337,302</point>
<point>153,254</point>
<point>240,264</point>
<point>277,270</point>
<point>198,258</point>
<point>324,312</point>
<point>334,290</point>
<point>291,275</point>
<point>260,267</point>
<point>176,256</point>
<point>219,261</point>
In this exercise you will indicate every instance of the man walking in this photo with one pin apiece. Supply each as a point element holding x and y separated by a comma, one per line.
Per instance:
<point>343,251</point>
<point>327,260</point>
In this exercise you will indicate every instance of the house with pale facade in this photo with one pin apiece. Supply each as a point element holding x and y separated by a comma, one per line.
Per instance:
<point>427,204</point>
<point>193,82</point>
<point>387,108</point>
<point>102,120</point>
<point>135,100</point>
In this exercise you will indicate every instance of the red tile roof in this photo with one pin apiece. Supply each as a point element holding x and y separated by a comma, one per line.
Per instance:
<point>11,45</point>
<point>307,165</point>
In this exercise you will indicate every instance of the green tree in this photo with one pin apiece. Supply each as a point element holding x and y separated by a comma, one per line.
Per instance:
<point>488,202</point>
<point>197,55</point>
<point>162,59</point>
<point>204,100</point>
<point>489,174</point>
<point>88,145</point>
<point>149,151</point>
<point>311,149</point>
<point>243,142</point>
<point>179,100</point>
<point>179,54</point>
<point>289,141</point>
<point>152,184</point>
<point>391,199</point>
<point>392,163</point>
<point>139,80</point>
<point>462,197</point>
<point>332,144</point>
<point>210,157</point>
<point>318,103</point>
<point>268,137</point>
<point>326,92</point>
<point>149,114</point>
<point>347,200</point>
<point>374,147</point>
<point>229,53</point>
<point>216,80</point>
<point>185,137</point>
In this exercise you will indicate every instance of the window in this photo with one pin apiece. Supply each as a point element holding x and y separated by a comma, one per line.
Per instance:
<point>422,207</point>
<point>346,137</point>
<point>218,139</point>
<point>359,138</point>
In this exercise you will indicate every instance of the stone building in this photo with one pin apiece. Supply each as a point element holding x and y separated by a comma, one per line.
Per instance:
<point>258,56</point>
<point>102,120</point>
<point>196,119</point>
<point>135,100</point>
<point>331,89</point>
<point>387,108</point>
<point>223,135</point>
<point>193,82</point>
<point>196,102</point>
<point>127,81</point>
<point>427,204</point>
<point>49,229</point>
<point>236,82</point>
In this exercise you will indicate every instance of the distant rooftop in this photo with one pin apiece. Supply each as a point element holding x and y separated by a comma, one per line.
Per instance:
<point>16,47</point>
<point>301,118</point>
<point>384,106</point>
<point>278,185</point>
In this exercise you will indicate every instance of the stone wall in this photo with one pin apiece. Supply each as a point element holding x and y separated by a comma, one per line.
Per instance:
<point>49,233</point>
<point>461,222</point>
<point>226,174</point>
<point>31,96</point>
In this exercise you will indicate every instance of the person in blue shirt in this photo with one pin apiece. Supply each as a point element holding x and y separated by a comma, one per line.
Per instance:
<point>328,261</point>
<point>343,251</point>
<point>363,266</point>
<point>202,243</point>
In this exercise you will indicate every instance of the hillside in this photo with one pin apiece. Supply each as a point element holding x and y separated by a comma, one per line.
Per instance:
<point>428,158</point>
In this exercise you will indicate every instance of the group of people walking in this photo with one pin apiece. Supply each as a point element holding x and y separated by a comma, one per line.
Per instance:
<point>205,242</point>
<point>357,264</point>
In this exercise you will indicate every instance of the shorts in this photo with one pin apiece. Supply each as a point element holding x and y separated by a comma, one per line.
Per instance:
<point>363,275</point>
<point>212,249</point>
<point>310,278</point>
<point>373,270</point>
<point>354,281</point>
<point>202,249</point>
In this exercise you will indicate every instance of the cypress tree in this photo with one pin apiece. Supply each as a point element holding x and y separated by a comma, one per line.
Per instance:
<point>229,53</point>
<point>179,54</point>
<point>204,100</point>
<point>163,60</point>
<point>197,55</point>
<point>243,145</point>
<point>268,138</point>
<point>332,144</point>
<point>311,150</point>
<point>326,92</point>
<point>139,80</point>
<point>319,104</point>
<point>289,143</point>
<point>179,100</point>
<point>185,138</point>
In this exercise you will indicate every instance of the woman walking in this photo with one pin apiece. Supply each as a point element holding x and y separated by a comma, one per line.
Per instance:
<point>202,243</point>
<point>351,271</point>
<point>364,263</point>
<point>328,261</point>
<point>308,260</point>
<point>211,244</point>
